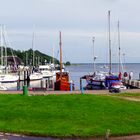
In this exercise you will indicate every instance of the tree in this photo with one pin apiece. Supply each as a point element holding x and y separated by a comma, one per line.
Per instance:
<point>68,63</point>
<point>27,56</point>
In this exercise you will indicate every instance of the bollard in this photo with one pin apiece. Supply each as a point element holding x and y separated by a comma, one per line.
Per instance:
<point>71,85</point>
<point>25,90</point>
<point>82,90</point>
<point>47,83</point>
<point>18,85</point>
<point>81,86</point>
<point>107,134</point>
<point>43,83</point>
<point>24,77</point>
<point>50,83</point>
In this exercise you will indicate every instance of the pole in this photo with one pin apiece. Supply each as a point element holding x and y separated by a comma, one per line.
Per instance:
<point>60,43</point>
<point>81,86</point>
<point>53,54</point>
<point>71,85</point>
<point>119,47</point>
<point>1,45</point>
<point>4,49</point>
<point>33,44</point>
<point>26,58</point>
<point>124,62</point>
<point>94,69</point>
<point>110,62</point>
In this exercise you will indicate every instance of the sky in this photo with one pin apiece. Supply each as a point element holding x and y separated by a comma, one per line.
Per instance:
<point>79,21</point>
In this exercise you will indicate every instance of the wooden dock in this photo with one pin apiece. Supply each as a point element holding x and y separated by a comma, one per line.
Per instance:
<point>131,83</point>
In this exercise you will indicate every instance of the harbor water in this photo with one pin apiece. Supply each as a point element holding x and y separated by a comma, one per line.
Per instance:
<point>78,70</point>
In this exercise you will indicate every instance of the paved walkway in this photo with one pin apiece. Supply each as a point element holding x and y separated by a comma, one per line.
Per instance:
<point>10,136</point>
<point>70,92</point>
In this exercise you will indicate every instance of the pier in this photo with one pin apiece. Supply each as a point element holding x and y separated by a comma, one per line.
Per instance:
<point>131,83</point>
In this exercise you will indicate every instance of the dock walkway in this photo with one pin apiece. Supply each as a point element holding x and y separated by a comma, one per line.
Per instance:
<point>100,92</point>
<point>131,83</point>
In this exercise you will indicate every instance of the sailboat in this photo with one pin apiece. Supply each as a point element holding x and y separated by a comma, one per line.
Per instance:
<point>62,78</point>
<point>5,75</point>
<point>113,82</point>
<point>35,75</point>
<point>96,80</point>
<point>50,69</point>
<point>99,80</point>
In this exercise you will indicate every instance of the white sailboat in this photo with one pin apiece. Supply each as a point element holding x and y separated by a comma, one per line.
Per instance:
<point>49,70</point>
<point>5,75</point>
<point>36,75</point>
<point>2,87</point>
<point>46,70</point>
<point>114,82</point>
<point>7,78</point>
<point>98,80</point>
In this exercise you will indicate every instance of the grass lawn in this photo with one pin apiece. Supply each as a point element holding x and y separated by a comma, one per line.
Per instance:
<point>68,115</point>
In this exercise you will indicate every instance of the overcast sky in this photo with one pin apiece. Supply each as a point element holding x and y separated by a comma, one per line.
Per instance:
<point>79,21</point>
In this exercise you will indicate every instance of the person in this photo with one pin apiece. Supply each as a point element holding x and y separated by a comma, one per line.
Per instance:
<point>125,75</point>
<point>130,75</point>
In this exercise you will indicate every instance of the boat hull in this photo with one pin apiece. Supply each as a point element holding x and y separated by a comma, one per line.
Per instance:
<point>36,76</point>
<point>62,85</point>
<point>95,85</point>
<point>7,78</point>
<point>62,81</point>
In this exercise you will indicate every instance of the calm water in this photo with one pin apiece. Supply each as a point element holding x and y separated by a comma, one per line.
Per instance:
<point>78,70</point>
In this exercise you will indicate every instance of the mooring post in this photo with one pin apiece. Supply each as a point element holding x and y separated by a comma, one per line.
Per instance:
<point>71,85</point>
<point>18,85</point>
<point>81,86</point>
<point>24,77</point>
<point>25,90</point>
<point>19,74</point>
<point>107,134</point>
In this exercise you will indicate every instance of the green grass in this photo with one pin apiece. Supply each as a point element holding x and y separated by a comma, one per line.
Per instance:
<point>68,115</point>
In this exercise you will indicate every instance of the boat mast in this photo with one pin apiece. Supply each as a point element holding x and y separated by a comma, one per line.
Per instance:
<point>124,62</point>
<point>110,62</point>
<point>5,48</point>
<point>94,69</point>
<point>7,43</point>
<point>53,55</point>
<point>60,45</point>
<point>26,58</point>
<point>33,44</point>
<point>1,41</point>
<point>119,47</point>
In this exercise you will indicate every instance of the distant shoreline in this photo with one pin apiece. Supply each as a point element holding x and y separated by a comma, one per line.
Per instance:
<point>100,63</point>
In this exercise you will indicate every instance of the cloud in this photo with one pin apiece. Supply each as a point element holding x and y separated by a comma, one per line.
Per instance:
<point>79,21</point>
